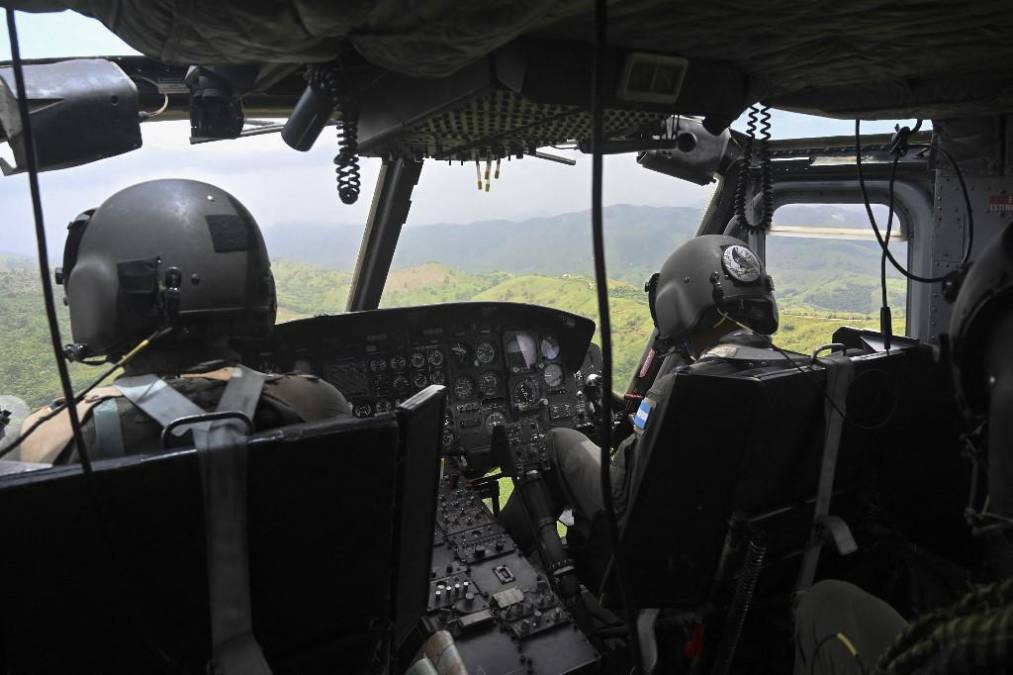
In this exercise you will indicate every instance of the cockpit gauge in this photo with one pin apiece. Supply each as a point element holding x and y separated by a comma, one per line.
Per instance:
<point>438,377</point>
<point>382,405</point>
<point>464,388</point>
<point>420,379</point>
<point>418,360</point>
<point>553,375</point>
<point>495,419</point>
<point>485,353</point>
<point>488,384</point>
<point>525,393</point>
<point>401,384</point>
<point>436,358</point>
<point>550,347</point>
<point>398,363</point>
<point>378,365</point>
<point>362,409</point>
<point>461,354</point>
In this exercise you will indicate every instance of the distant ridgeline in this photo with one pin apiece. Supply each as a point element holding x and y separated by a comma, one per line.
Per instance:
<point>821,284</point>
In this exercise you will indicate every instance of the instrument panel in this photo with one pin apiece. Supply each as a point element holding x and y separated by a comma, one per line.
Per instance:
<point>520,367</point>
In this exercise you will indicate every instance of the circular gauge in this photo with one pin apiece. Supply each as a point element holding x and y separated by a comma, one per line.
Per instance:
<point>553,375</point>
<point>418,360</point>
<point>436,358</point>
<point>485,353</point>
<point>382,405</point>
<point>398,363</point>
<point>420,379</point>
<point>401,383</point>
<point>525,393</point>
<point>461,354</point>
<point>464,388</point>
<point>362,409</point>
<point>378,365</point>
<point>495,419</point>
<point>438,377</point>
<point>550,347</point>
<point>488,384</point>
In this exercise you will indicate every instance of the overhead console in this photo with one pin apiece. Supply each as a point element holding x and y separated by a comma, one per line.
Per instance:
<point>509,104</point>
<point>521,367</point>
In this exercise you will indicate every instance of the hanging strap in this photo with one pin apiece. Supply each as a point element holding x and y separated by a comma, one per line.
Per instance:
<point>840,374</point>
<point>221,451</point>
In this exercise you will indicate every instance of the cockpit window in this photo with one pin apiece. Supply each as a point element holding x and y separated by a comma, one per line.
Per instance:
<point>826,268</point>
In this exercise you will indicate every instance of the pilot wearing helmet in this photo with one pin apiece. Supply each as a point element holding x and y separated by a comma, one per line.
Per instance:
<point>711,300</point>
<point>168,273</point>
<point>840,628</point>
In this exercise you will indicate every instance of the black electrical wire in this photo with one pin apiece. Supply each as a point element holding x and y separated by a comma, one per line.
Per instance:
<point>875,227</point>
<point>598,86</point>
<point>40,238</point>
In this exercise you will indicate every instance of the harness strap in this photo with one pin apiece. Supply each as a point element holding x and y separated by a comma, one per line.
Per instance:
<point>108,430</point>
<point>221,452</point>
<point>222,455</point>
<point>160,402</point>
<point>840,375</point>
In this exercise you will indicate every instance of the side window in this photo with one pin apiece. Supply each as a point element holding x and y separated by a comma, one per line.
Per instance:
<point>825,262</point>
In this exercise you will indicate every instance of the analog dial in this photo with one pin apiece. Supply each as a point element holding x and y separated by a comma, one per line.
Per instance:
<point>438,377</point>
<point>553,375</point>
<point>382,405</point>
<point>378,365</point>
<point>418,360</point>
<point>436,358</point>
<point>401,384</point>
<point>525,393</point>
<point>464,388</point>
<point>420,379</point>
<point>495,419</point>
<point>488,384</point>
<point>485,353</point>
<point>363,409</point>
<point>550,347</point>
<point>398,363</point>
<point>461,354</point>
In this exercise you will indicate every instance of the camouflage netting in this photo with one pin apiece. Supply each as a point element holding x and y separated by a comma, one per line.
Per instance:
<point>872,58</point>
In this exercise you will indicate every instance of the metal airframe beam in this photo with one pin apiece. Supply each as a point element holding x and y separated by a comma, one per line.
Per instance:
<point>387,214</point>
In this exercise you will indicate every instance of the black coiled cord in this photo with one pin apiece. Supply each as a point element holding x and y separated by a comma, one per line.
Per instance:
<point>347,159</point>
<point>346,162</point>
<point>759,115</point>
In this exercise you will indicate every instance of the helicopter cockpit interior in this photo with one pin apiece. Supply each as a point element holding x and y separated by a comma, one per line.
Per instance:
<point>374,543</point>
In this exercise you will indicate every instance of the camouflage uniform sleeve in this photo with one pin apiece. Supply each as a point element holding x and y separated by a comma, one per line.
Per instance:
<point>311,398</point>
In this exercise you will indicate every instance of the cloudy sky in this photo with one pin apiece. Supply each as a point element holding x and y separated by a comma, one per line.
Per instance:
<point>280,185</point>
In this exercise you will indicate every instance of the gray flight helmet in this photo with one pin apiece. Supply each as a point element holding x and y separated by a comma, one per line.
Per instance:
<point>160,254</point>
<point>986,295</point>
<point>706,277</point>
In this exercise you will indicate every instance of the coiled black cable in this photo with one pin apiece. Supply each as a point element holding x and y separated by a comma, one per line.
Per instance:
<point>759,116</point>
<point>349,176</point>
<point>347,159</point>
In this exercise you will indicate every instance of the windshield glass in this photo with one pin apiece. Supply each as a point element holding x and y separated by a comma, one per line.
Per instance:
<point>519,231</point>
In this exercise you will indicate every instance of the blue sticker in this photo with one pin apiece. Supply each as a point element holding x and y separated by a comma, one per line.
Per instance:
<point>643,413</point>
